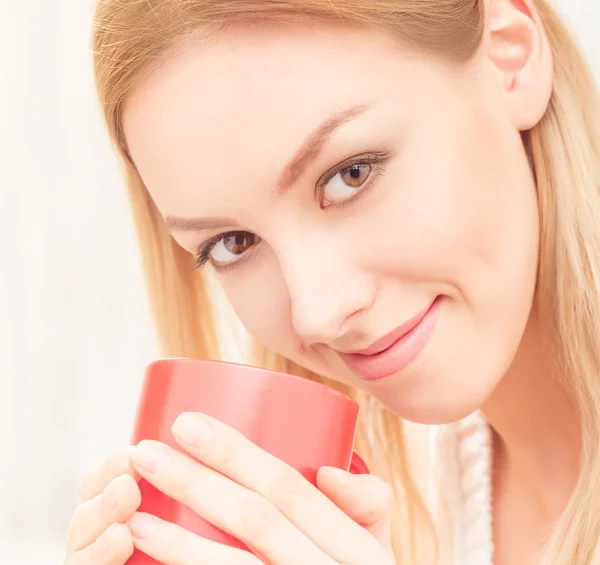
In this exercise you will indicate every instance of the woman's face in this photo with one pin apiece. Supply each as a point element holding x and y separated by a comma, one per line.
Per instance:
<point>343,188</point>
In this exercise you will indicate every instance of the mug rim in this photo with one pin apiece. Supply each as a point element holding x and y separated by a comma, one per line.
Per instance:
<point>252,368</point>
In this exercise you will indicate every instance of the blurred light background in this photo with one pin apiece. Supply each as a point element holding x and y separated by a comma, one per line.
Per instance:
<point>75,333</point>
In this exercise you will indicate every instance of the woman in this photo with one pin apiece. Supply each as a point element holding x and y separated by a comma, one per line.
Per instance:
<point>398,197</point>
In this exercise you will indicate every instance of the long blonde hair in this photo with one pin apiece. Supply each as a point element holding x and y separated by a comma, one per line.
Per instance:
<point>132,37</point>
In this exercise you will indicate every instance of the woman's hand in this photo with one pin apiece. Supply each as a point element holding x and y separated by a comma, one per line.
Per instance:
<point>255,497</point>
<point>109,496</point>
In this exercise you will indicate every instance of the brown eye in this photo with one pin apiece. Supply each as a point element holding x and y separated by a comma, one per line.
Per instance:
<point>355,175</point>
<point>231,246</point>
<point>237,243</point>
<point>345,183</point>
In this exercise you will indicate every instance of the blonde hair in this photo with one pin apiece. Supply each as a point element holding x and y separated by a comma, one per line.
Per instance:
<point>132,37</point>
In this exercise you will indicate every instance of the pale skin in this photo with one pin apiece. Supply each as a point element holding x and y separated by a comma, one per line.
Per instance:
<point>445,205</point>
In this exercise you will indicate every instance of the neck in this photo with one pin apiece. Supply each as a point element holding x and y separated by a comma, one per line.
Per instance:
<point>536,430</point>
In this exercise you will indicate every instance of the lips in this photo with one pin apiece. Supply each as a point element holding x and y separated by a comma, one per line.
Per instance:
<point>395,350</point>
<point>384,342</point>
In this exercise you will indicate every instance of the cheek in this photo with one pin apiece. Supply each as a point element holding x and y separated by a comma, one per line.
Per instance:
<point>460,211</point>
<point>487,215</point>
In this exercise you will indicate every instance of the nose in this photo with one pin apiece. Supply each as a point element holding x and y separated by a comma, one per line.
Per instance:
<point>326,289</point>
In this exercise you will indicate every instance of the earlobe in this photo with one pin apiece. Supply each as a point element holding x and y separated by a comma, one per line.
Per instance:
<point>518,48</point>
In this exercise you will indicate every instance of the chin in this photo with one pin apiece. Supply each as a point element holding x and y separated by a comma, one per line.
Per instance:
<point>433,412</point>
<point>434,397</point>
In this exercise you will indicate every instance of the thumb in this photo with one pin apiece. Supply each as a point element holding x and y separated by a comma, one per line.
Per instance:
<point>366,499</point>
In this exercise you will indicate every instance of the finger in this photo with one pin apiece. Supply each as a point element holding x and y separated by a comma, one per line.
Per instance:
<point>117,503</point>
<point>230,453</point>
<point>113,547</point>
<point>172,545</point>
<point>365,498</point>
<point>229,506</point>
<point>118,463</point>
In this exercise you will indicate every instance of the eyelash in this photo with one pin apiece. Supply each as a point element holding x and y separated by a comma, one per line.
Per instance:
<point>379,159</point>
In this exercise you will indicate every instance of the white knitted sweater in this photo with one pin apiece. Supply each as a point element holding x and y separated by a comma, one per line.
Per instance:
<point>464,451</point>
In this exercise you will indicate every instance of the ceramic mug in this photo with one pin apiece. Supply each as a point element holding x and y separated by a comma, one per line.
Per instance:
<point>306,424</point>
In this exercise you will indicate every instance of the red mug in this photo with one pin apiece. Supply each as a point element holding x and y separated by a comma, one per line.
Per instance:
<point>306,424</point>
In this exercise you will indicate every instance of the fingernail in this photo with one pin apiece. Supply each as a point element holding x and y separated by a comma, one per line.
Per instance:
<point>193,429</point>
<point>142,525</point>
<point>150,455</point>
<point>341,476</point>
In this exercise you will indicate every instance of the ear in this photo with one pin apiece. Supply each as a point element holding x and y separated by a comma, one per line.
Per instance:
<point>518,48</point>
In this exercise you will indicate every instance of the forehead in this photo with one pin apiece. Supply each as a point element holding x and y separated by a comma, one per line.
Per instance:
<point>245,101</point>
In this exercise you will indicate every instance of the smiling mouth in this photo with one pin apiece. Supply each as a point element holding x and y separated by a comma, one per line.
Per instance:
<point>395,350</point>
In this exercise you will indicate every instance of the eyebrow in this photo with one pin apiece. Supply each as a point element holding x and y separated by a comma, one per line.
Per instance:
<point>306,154</point>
